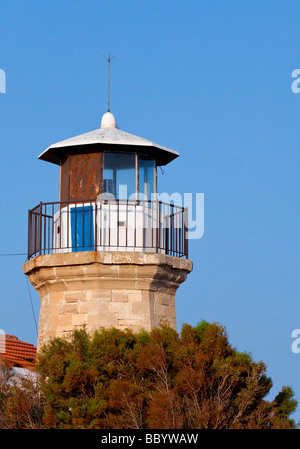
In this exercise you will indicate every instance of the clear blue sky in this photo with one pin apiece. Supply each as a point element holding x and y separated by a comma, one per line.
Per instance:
<point>210,79</point>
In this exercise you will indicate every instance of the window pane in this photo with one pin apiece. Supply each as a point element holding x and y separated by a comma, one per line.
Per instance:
<point>146,177</point>
<point>119,170</point>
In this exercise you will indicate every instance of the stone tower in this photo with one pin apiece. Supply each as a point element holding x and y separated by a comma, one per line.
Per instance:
<point>108,253</point>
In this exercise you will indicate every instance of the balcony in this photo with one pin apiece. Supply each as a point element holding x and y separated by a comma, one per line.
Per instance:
<point>107,225</point>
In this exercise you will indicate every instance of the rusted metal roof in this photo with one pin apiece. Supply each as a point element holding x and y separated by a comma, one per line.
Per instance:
<point>111,139</point>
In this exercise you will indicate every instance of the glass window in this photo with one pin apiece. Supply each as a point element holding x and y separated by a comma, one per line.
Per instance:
<point>119,174</point>
<point>146,177</point>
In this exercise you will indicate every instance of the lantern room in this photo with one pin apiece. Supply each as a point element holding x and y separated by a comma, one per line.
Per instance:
<point>107,197</point>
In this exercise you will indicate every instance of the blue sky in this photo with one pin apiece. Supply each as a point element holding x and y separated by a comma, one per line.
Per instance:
<point>210,79</point>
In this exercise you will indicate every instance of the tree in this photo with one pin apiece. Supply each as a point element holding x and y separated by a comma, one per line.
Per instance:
<point>21,401</point>
<point>195,380</point>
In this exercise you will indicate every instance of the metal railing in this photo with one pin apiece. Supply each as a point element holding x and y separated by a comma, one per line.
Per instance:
<point>107,225</point>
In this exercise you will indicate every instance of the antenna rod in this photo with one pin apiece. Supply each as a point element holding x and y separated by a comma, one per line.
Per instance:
<point>108,59</point>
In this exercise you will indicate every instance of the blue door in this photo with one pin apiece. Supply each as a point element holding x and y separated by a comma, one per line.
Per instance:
<point>82,228</point>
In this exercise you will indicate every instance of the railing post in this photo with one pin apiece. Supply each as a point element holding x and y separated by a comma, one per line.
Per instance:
<point>95,237</point>
<point>45,225</point>
<point>186,247</point>
<point>157,221</point>
<point>82,246</point>
<point>167,231</point>
<point>118,218</point>
<point>40,229</point>
<point>29,235</point>
<point>172,229</point>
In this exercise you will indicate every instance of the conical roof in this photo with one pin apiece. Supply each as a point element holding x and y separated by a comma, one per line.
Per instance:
<point>111,138</point>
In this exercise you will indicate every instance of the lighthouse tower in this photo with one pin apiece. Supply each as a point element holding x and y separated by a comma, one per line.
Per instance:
<point>108,253</point>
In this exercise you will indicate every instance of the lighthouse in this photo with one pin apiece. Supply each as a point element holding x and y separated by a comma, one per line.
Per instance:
<point>108,252</point>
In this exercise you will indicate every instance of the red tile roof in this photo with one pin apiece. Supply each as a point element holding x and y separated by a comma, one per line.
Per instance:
<point>18,353</point>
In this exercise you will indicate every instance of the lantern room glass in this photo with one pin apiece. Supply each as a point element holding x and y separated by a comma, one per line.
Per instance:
<point>119,175</point>
<point>146,178</point>
<point>128,176</point>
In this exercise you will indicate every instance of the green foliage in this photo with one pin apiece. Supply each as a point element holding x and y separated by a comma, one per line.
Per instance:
<point>158,380</point>
<point>118,379</point>
<point>285,402</point>
<point>200,327</point>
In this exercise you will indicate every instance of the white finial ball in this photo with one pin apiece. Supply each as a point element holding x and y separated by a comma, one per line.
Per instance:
<point>108,121</point>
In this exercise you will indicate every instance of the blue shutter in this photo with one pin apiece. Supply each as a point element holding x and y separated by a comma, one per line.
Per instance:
<point>82,228</point>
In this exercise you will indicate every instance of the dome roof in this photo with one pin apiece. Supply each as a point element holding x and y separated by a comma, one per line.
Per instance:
<point>108,121</point>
